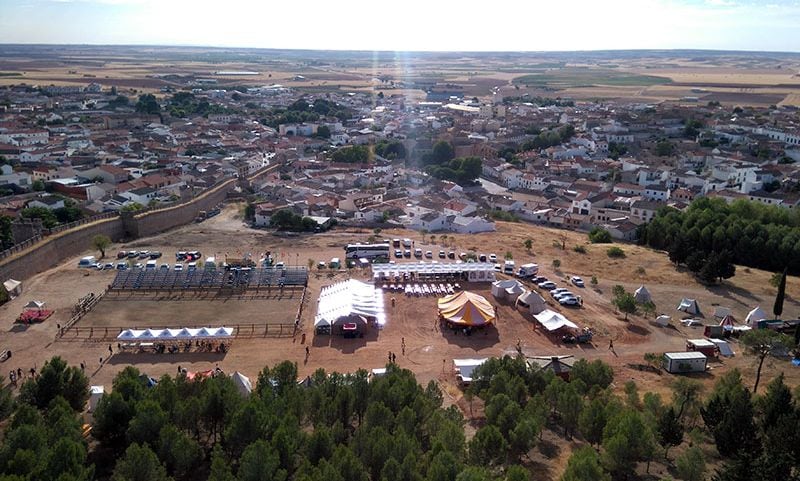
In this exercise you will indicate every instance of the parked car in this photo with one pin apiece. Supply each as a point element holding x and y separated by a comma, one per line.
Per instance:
<point>138,265</point>
<point>442,255</point>
<point>406,253</point>
<point>451,255</point>
<point>87,262</point>
<point>398,253</point>
<point>482,257</point>
<point>133,255</point>
<point>122,254</point>
<point>155,255</point>
<point>428,255</point>
<point>549,285</point>
<point>539,279</point>
<point>180,256</point>
<point>492,258</point>
<point>463,256</point>
<point>562,295</point>
<point>109,266</point>
<point>568,301</point>
<point>577,281</point>
<point>418,253</point>
<point>558,290</point>
<point>122,266</point>
<point>164,267</point>
<point>144,254</point>
<point>178,267</point>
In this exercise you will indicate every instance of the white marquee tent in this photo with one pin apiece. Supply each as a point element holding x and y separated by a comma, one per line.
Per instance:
<point>347,299</point>
<point>552,321</point>
<point>533,301</point>
<point>13,287</point>
<point>755,315</point>
<point>507,289</point>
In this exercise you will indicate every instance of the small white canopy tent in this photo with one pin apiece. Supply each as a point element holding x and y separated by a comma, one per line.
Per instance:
<point>465,368</point>
<point>533,301</point>
<point>35,305</point>
<point>95,393</point>
<point>13,287</point>
<point>242,382</point>
<point>663,321</point>
<point>642,295</point>
<point>552,321</point>
<point>755,315</point>
<point>689,306</point>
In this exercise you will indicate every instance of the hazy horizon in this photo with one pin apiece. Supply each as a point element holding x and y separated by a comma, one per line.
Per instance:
<point>413,26</point>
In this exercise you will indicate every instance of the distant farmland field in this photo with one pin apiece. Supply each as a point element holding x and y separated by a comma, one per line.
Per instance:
<point>584,77</point>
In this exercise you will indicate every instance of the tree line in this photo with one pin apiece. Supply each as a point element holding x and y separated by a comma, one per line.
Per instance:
<point>347,427</point>
<point>714,235</point>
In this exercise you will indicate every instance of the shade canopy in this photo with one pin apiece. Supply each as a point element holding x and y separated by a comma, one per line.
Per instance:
<point>552,321</point>
<point>349,298</point>
<point>466,309</point>
<point>175,334</point>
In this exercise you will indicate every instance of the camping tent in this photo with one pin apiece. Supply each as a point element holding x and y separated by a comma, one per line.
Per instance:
<point>728,323</point>
<point>35,305</point>
<point>721,312</point>
<point>466,309</point>
<point>242,383</point>
<point>642,295</point>
<point>689,306</point>
<point>755,315</point>
<point>533,301</point>
<point>553,321</point>
<point>14,288</point>
<point>95,393</point>
<point>508,289</point>
<point>663,321</point>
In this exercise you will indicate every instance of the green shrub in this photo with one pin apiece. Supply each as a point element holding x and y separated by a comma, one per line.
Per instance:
<point>579,249</point>
<point>599,236</point>
<point>615,252</point>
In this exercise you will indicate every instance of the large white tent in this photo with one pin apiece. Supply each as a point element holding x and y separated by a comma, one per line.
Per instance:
<point>642,295</point>
<point>553,321</point>
<point>689,306</point>
<point>755,315</point>
<point>350,299</point>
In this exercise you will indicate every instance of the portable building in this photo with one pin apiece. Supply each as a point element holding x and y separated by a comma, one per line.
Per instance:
<point>708,348</point>
<point>680,362</point>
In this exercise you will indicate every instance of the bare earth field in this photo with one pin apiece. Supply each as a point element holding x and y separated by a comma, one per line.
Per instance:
<point>429,351</point>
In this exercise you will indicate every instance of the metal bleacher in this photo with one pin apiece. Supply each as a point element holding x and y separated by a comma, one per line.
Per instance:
<point>159,279</point>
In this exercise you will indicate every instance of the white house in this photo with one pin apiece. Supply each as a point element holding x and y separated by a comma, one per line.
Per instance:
<point>50,202</point>
<point>142,195</point>
<point>469,225</point>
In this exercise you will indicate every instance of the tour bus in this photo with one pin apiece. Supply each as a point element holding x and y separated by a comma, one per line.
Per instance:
<point>367,251</point>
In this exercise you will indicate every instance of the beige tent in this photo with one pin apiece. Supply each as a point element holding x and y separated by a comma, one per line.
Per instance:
<point>466,309</point>
<point>642,295</point>
<point>507,289</point>
<point>533,301</point>
<point>242,383</point>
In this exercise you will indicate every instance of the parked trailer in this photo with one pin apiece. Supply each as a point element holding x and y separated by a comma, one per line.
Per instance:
<point>681,362</point>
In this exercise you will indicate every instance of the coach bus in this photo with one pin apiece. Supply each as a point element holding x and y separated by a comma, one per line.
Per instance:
<point>367,251</point>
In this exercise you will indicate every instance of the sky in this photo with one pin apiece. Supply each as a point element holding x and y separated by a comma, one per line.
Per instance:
<point>460,25</point>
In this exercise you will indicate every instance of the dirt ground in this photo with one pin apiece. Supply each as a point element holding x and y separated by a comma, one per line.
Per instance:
<point>429,352</point>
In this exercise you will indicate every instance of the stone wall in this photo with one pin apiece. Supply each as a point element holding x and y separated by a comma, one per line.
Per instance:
<point>54,249</point>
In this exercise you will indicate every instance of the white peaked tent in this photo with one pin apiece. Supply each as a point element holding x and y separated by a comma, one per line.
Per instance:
<point>642,295</point>
<point>36,305</point>
<point>553,321</point>
<point>721,312</point>
<point>242,383</point>
<point>663,321</point>
<point>126,335</point>
<point>14,288</point>
<point>508,289</point>
<point>689,306</point>
<point>755,315</point>
<point>95,393</point>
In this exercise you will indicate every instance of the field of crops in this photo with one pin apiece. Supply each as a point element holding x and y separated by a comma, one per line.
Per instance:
<point>584,77</point>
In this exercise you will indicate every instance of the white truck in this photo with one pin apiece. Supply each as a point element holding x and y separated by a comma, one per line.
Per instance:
<point>528,270</point>
<point>508,268</point>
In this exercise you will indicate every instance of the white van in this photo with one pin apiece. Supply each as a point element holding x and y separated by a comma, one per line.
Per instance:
<point>191,267</point>
<point>210,263</point>
<point>151,265</point>
<point>508,268</point>
<point>407,242</point>
<point>528,270</point>
<point>87,262</point>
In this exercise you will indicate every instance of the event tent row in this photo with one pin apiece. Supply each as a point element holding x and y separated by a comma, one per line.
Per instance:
<point>475,271</point>
<point>185,333</point>
<point>347,299</point>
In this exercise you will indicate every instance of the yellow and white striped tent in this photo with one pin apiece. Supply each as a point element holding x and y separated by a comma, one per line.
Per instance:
<point>466,309</point>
